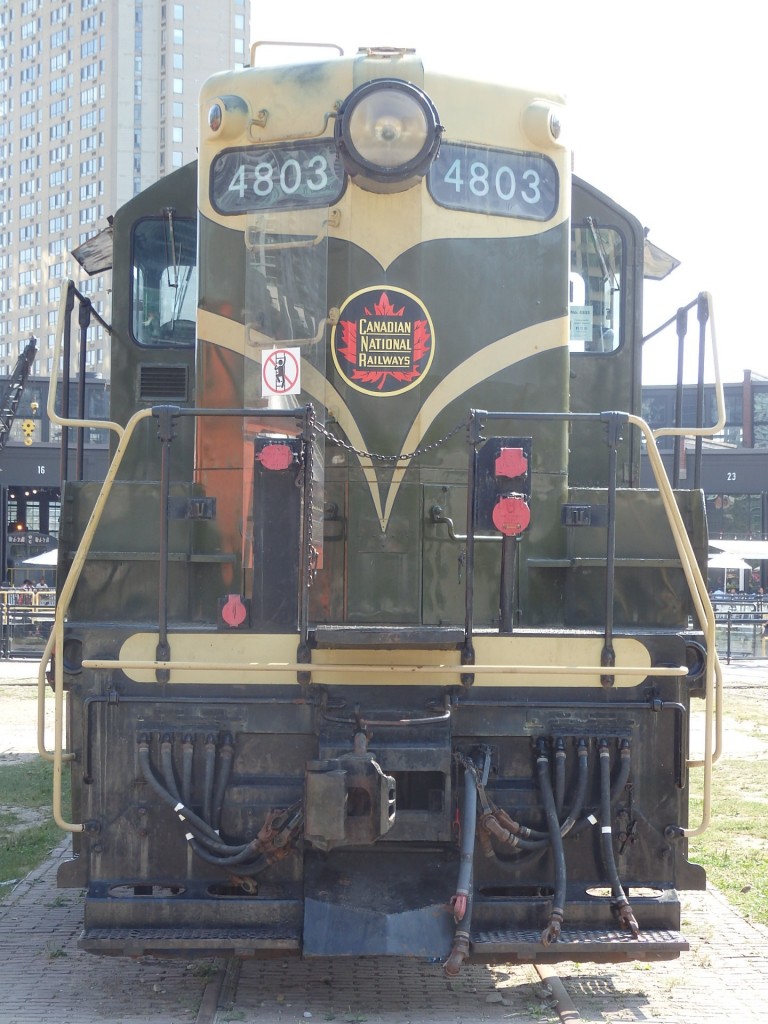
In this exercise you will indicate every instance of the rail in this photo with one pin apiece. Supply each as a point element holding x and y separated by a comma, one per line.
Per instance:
<point>452,672</point>
<point>26,618</point>
<point>697,586</point>
<point>703,306</point>
<point>61,358</point>
<point>742,622</point>
<point>713,688</point>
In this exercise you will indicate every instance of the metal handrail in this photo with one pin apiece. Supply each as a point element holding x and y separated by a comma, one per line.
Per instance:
<point>345,668</point>
<point>56,640</point>
<point>713,689</point>
<point>66,421</point>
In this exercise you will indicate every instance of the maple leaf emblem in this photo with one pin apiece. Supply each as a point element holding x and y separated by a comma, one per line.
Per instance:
<point>348,346</point>
<point>385,308</point>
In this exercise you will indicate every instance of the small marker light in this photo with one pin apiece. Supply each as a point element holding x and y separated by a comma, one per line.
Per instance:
<point>215,117</point>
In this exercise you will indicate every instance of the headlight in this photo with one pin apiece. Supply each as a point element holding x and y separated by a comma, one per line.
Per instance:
<point>388,134</point>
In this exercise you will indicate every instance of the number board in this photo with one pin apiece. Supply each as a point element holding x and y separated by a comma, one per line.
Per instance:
<point>296,176</point>
<point>500,182</point>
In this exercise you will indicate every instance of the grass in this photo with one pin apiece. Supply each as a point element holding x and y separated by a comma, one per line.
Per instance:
<point>734,850</point>
<point>27,831</point>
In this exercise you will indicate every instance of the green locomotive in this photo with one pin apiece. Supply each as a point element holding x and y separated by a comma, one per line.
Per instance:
<point>371,643</point>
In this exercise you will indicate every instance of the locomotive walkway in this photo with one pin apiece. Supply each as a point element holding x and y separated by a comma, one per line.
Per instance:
<point>43,976</point>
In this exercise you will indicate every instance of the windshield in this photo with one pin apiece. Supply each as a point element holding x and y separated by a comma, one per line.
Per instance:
<point>286,306</point>
<point>286,327</point>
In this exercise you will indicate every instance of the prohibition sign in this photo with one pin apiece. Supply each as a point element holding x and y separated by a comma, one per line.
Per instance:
<point>280,374</point>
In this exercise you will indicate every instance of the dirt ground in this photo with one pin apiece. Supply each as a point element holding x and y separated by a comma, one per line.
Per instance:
<point>18,711</point>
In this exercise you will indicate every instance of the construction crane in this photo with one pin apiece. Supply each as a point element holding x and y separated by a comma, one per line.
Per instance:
<point>13,389</point>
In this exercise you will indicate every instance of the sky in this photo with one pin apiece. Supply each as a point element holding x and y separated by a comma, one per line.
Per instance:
<point>665,114</point>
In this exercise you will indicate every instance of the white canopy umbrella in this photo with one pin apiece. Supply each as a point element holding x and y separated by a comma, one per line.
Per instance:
<point>47,558</point>
<point>754,549</point>
<point>725,560</point>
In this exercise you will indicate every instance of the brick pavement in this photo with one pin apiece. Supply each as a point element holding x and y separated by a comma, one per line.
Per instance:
<point>724,976</point>
<point>43,976</point>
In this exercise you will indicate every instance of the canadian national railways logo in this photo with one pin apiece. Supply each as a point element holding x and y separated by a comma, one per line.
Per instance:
<point>383,342</point>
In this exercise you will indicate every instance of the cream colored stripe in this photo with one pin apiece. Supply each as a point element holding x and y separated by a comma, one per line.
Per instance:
<point>268,659</point>
<point>499,355</point>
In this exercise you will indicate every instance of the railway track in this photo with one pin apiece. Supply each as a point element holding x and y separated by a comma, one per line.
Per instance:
<point>525,992</point>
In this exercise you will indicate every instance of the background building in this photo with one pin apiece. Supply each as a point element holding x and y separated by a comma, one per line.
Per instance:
<point>98,99</point>
<point>734,465</point>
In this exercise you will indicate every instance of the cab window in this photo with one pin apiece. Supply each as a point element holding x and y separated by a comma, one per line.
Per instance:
<point>595,293</point>
<point>164,281</point>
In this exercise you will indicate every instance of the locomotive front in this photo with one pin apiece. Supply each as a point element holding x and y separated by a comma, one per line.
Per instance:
<point>395,698</point>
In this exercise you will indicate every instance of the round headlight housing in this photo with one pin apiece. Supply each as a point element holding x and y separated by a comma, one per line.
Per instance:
<point>388,134</point>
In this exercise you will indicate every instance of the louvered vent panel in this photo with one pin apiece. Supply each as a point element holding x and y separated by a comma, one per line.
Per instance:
<point>163,383</point>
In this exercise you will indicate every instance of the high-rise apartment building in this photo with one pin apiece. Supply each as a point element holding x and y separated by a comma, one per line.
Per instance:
<point>98,99</point>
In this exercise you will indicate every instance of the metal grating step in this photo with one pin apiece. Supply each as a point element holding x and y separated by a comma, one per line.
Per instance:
<point>183,941</point>
<point>580,944</point>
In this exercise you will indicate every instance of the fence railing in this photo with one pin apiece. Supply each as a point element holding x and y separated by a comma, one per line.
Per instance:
<point>26,618</point>
<point>741,624</point>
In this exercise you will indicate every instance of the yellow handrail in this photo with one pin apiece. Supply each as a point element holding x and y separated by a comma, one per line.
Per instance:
<point>62,606</point>
<point>56,639</point>
<point>713,687</point>
<point>706,616</point>
<point>326,667</point>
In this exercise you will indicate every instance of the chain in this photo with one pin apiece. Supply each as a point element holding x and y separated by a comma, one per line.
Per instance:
<point>405,457</point>
<point>310,519</point>
<point>317,428</point>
